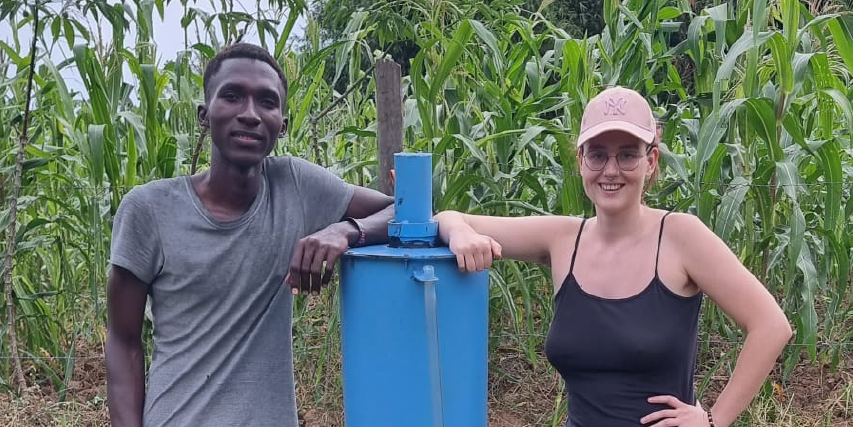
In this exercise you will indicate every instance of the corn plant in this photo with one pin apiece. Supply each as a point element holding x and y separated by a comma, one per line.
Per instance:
<point>754,101</point>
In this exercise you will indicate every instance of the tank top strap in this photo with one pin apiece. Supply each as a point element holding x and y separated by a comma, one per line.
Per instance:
<point>658,250</point>
<point>575,251</point>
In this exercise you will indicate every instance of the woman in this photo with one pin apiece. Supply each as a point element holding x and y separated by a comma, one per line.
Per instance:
<point>629,283</point>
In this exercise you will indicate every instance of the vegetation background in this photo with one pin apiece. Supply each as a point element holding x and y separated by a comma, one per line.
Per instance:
<point>754,97</point>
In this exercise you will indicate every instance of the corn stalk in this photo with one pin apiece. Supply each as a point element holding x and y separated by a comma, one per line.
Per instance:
<point>13,214</point>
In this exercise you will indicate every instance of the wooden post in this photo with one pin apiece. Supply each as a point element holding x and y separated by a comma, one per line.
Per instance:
<point>389,121</point>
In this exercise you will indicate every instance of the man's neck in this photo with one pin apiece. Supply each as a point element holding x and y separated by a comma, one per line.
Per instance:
<point>227,192</point>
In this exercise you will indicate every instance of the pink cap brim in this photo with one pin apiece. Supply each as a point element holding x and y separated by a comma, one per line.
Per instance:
<point>645,135</point>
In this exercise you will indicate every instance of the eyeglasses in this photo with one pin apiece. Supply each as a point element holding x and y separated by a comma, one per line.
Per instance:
<point>626,160</point>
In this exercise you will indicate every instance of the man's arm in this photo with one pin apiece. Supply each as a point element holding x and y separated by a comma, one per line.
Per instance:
<point>370,211</point>
<point>124,355</point>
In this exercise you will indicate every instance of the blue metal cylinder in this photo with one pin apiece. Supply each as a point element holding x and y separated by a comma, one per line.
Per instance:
<point>413,224</point>
<point>413,328</point>
<point>385,340</point>
<point>415,172</point>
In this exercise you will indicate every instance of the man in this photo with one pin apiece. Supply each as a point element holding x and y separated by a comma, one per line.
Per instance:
<point>214,252</point>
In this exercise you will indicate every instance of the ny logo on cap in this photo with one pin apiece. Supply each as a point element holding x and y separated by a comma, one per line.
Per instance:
<point>615,106</point>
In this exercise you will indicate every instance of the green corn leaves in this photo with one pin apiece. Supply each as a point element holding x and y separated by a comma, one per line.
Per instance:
<point>754,102</point>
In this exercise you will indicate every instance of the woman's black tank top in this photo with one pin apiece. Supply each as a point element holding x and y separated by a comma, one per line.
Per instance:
<point>616,353</point>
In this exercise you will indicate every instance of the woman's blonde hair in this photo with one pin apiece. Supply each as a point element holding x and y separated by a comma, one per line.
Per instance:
<point>656,171</point>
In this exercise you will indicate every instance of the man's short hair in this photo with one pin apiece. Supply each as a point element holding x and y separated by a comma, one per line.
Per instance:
<point>242,50</point>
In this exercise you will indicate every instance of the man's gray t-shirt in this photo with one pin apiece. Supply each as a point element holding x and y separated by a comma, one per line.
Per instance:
<point>222,313</point>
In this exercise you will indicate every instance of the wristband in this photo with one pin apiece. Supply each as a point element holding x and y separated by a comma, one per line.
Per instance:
<point>362,237</point>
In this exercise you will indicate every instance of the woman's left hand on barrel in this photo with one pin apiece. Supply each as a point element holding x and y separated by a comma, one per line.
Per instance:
<point>681,414</point>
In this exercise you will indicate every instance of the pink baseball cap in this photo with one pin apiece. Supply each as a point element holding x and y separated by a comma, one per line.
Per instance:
<point>617,108</point>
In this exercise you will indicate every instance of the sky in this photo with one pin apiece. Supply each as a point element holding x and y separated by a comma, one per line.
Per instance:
<point>168,35</point>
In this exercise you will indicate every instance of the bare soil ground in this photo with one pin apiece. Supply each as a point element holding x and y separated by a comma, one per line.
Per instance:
<point>520,394</point>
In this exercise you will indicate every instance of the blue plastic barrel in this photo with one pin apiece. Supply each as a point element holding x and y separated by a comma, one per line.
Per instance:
<point>413,328</point>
